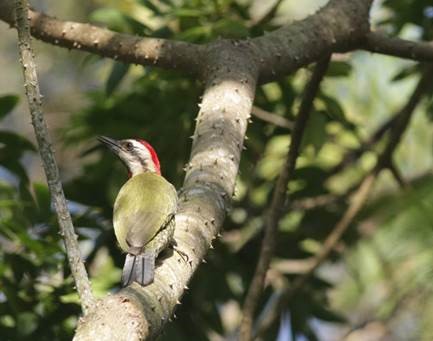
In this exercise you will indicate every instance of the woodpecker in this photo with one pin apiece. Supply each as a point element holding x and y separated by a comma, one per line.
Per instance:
<point>144,210</point>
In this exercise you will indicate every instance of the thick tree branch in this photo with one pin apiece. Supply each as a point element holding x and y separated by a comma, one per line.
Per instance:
<point>106,43</point>
<point>208,188</point>
<point>279,196</point>
<point>340,26</point>
<point>359,198</point>
<point>278,53</point>
<point>31,85</point>
<point>380,43</point>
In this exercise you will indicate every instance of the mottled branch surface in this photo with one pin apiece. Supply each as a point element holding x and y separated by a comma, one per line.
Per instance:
<point>33,94</point>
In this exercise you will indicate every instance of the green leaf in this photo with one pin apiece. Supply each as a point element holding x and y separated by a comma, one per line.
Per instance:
<point>187,12</point>
<point>43,199</point>
<point>230,28</point>
<point>333,108</point>
<point>339,69</point>
<point>29,206</point>
<point>118,72</point>
<point>405,72</point>
<point>195,34</point>
<point>7,103</point>
<point>335,111</point>
<point>15,167</point>
<point>315,133</point>
<point>15,141</point>
<point>111,17</point>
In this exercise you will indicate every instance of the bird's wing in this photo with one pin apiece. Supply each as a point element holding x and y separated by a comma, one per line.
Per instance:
<point>144,205</point>
<point>143,227</point>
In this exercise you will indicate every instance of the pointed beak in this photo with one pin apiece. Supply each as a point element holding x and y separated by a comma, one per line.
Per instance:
<point>110,143</point>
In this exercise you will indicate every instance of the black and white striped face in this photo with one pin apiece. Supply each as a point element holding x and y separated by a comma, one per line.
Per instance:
<point>137,155</point>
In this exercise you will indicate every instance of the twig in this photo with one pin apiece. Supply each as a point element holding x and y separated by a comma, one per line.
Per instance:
<point>272,118</point>
<point>306,204</point>
<point>380,43</point>
<point>31,85</point>
<point>359,199</point>
<point>398,176</point>
<point>279,196</point>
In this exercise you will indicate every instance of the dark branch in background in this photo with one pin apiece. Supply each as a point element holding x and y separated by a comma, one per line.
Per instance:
<point>279,196</point>
<point>272,118</point>
<point>424,85</point>
<point>380,43</point>
<point>398,177</point>
<point>31,85</point>
<point>123,47</point>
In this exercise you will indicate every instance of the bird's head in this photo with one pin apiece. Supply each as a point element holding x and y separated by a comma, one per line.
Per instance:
<point>137,155</point>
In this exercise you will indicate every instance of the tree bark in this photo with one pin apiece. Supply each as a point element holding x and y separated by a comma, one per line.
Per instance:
<point>34,98</point>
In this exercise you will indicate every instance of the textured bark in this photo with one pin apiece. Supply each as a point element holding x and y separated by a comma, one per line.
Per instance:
<point>377,42</point>
<point>106,43</point>
<point>31,85</point>
<point>338,27</point>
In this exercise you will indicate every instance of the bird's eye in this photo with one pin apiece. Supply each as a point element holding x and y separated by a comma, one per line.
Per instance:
<point>129,146</point>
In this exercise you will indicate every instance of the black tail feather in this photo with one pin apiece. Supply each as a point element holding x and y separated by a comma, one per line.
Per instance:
<point>138,268</point>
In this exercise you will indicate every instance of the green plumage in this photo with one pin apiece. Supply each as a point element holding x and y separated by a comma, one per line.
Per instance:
<point>144,223</point>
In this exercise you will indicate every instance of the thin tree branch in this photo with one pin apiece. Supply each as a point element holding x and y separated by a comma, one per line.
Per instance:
<point>398,176</point>
<point>305,204</point>
<point>271,118</point>
<point>380,43</point>
<point>359,198</point>
<point>31,85</point>
<point>106,43</point>
<point>279,196</point>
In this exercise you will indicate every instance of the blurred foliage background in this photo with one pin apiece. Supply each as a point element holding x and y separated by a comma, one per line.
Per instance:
<point>378,283</point>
